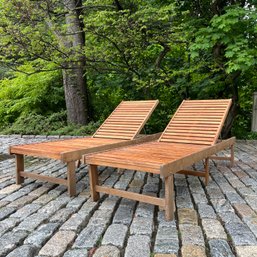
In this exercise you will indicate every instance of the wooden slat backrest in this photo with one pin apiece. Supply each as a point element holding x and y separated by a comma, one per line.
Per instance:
<point>197,122</point>
<point>127,120</point>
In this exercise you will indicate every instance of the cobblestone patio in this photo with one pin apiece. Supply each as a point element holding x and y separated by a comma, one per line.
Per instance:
<point>40,219</point>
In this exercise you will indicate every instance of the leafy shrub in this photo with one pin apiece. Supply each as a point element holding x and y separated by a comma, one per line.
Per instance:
<point>55,124</point>
<point>40,93</point>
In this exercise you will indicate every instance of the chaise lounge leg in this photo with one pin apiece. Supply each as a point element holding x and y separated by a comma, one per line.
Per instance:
<point>19,158</point>
<point>206,168</point>
<point>93,177</point>
<point>169,198</point>
<point>71,181</point>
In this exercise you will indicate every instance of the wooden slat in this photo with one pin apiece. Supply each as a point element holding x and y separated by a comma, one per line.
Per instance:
<point>146,157</point>
<point>192,172</point>
<point>128,113</point>
<point>183,162</point>
<point>112,136</point>
<point>191,135</point>
<point>197,122</point>
<point>199,142</point>
<point>131,195</point>
<point>42,177</point>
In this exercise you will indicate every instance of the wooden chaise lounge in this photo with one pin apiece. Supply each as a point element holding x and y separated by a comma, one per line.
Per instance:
<point>119,129</point>
<point>191,136</point>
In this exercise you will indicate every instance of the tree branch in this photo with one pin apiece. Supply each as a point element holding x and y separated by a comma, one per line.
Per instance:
<point>161,56</point>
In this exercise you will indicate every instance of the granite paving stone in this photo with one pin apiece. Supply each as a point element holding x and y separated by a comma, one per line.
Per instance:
<point>7,224</point>
<point>141,226</point>
<point>88,237</point>
<point>165,255</point>
<point>145,210</point>
<point>39,219</point>
<point>184,202</point>
<point>31,222</point>
<point>115,235</point>
<point>138,245</point>
<point>206,211</point>
<point>6,211</point>
<point>41,235</point>
<point>222,205</point>
<point>167,240</point>
<point>53,206</point>
<point>251,222</point>
<point>57,245</point>
<point>10,240</point>
<point>26,210</point>
<point>246,251</point>
<point>22,201</point>
<point>62,215</point>
<point>193,251</point>
<point>24,251</point>
<point>191,235</point>
<point>107,251</point>
<point>243,210</point>
<point>229,217</point>
<point>240,234</point>
<point>200,198</point>
<point>187,216</point>
<point>124,213</point>
<point>75,222</point>
<point>76,253</point>
<point>234,198</point>
<point>213,229</point>
<point>220,248</point>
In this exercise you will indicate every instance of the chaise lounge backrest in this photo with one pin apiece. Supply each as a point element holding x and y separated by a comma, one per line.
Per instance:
<point>127,120</point>
<point>197,122</point>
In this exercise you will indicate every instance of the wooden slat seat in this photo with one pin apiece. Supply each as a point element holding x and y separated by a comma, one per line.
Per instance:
<point>121,128</point>
<point>187,139</point>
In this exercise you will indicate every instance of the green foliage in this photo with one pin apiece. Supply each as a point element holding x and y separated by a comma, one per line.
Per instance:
<point>36,124</point>
<point>143,59</point>
<point>21,95</point>
<point>166,50</point>
<point>236,32</point>
<point>26,33</point>
<point>242,123</point>
<point>54,124</point>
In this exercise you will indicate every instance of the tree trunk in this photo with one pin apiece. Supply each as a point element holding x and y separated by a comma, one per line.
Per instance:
<point>75,95</point>
<point>73,73</point>
<point>232,82</point>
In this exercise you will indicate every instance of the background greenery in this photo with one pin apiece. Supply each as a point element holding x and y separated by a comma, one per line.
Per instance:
<point>136,49</point>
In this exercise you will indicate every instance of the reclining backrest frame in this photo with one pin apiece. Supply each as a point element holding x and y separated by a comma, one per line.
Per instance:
<point>197,122</point>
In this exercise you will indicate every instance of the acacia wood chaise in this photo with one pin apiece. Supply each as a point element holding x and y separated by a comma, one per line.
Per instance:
<point>191,136</point>
<point>121,128</point>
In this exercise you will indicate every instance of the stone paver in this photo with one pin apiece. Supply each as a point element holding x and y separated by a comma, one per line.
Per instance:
<point>246,251</point>
<point>138,246</point>
<point>76,253</point>
<point>115,235</point>
<point>193,251</point>
<point>107,251</point>
<point>187,216</point>
<point>213,229</point>
<point>164,255</point>
<point>24,250</point>
<point>57,244</point>
<point>220,248</point>
<point>40,219</point>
